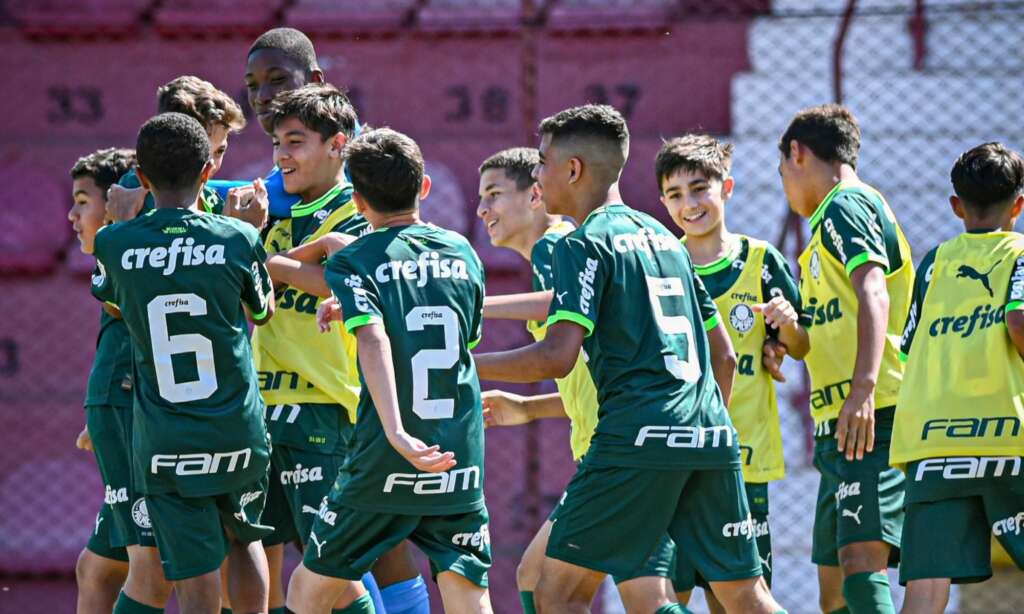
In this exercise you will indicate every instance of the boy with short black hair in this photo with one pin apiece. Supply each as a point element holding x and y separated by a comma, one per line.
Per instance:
<point>183,282</point>
<point>855,282</point>
<point>958,419</point>
<point>664,455</point>
<point>103,564</point>
<point>751,284</point>
<point>412,294</point>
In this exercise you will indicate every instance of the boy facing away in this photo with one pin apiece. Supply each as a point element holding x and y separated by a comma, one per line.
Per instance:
<point>855,283</point>
<point>758,298</point>
<point>183,282</point>
<point>958,420</point>
<point>412,294</point>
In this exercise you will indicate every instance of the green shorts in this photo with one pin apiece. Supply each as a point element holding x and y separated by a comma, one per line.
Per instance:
<point>858,501</point>
<point>954,506</point>
<point>346,542</point>
<point>110,429</point>
<point>191,531</point>
<point>686,577</point>
<point>99,540</point>
<point>613,519</point>
<point>300,481</point>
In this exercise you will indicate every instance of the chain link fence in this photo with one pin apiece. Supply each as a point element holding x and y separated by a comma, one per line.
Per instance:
<point>927,79</point>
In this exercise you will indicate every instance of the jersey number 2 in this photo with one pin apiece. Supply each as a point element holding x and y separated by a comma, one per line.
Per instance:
<point>682,365</point>
<point>166,345</point>
<point>424,360</point>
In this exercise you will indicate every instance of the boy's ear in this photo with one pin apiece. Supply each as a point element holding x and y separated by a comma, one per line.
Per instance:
<point>575,169</point>
<point>796,153</point>
<point>727,187</point>
<point>143,180</point>
<point>536,198</point>
<point>338,142</point>
<point>360,202</point>
<point>425,187</point>
<point>1018,205</point>
<point>317,76</point>
<point>204,176</point>
<point>957,205</point>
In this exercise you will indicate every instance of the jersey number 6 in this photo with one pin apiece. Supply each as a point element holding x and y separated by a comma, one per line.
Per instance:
<point>166,345</point>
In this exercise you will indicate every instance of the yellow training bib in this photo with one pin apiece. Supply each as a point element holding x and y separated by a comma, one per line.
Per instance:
<point>963,391</point>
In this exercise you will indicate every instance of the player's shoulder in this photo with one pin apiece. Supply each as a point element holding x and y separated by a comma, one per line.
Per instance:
<point>230,227</point>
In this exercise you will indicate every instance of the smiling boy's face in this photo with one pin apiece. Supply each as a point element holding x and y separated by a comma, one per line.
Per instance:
<point>504,208</point>
<point>306,160</point>
<point>269,72</point>
<point>87,211</point>
<point>695,201</point>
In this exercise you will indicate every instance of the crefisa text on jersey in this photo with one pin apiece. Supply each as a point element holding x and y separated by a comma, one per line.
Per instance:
<point>428,265</point>
<point>167,258</point>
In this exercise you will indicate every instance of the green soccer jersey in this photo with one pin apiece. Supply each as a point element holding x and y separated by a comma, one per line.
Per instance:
<point>110,380</point>
<point>180,279</point>
<point>209,200</point>
<point>630,284</point>
<point>426,286</point>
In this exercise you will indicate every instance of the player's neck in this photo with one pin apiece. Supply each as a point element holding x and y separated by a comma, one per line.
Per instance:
<point>529,238</point>
<point>321,188</point>
<point>393,220</point>
<point>595,200</point>
<point>712,246</point>
<point>830,176</point>
<point>176,200</point>
<point>988,223</point>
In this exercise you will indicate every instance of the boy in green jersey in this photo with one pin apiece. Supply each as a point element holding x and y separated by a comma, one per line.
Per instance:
<point>513,212</point>
<point>219,114</point>
<point>183,282</point>
<point>412,294</point>
<point>103,564</point>
<point>664,457</point>
<point>856,277</point>
<point>958,425</point>
<point>757,294</point>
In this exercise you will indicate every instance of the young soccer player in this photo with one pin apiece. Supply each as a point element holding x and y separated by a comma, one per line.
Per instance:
<point>753,288</point>
<point>412,294</point>
<point>664,457</point>
<point>855,282</point>
<point>308,380</point>
<point>959,413</point>
<point>220,116</point>
<point>103,564</point>
<point>182,281</point>
<point>514,214</point>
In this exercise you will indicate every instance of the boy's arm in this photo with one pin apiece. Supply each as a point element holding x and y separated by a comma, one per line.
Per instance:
<point>1015,305</point>
<point>257,289</point>
<point>308,278</point>
<point>552,357</point>
<point>782,310</point>
<point>525,306</point>
<point>374,349</point>
<point>507,409</point>
<point>855,428</point>
<point>723,360</point>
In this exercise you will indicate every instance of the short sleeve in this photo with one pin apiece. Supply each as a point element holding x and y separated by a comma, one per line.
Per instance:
<point>476,325</point>
<point>1015,289</point>
<point>542,261</point>
<point>257,286</point>
<point>777,280</point>
<point>921,281</point>
<point>102,285</point>
<point>354,290</point>
<point>705,304</point>
<point>579,282</point>
<point>852,232</point>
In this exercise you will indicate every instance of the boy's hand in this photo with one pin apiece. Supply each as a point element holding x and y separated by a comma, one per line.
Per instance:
<point>328,311</point>
<point>84,441</point>
<point>778,312</point>
<point>504,409</point>
<point>855,428</point>
<point>123,203</point>
<point>334,242</point>
<point>425,458</point>
<point>249,203</point>
<point>773,353</point>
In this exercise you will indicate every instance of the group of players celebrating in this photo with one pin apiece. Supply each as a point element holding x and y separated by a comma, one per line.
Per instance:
<point>355,439</point>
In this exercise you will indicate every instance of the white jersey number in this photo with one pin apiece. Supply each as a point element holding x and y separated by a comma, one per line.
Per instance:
<point>166,345</point>
<point>424,360</point>
<point>685,368</point>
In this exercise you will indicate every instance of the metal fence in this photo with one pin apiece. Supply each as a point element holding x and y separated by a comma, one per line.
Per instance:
<point>465,78</point>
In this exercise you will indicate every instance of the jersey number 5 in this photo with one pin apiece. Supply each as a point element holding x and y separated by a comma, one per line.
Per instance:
<point>166,345</point>
<point>683,363</point>
<point>424,360</point>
